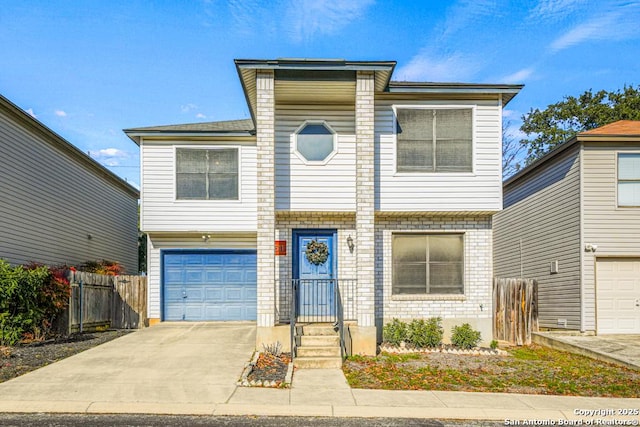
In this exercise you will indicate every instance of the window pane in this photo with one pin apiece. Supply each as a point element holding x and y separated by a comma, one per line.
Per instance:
<point>415,155</point>
<point>409,278</point>
<point>445,248</point>
<point>409,249</point>
<point>453,141</point>
<point>414,149</point>
<point>629,166</point>
<point>223,186</point>
<point>445,278</point>
<point>191,161</point>
<point>191,186</point>
<point>315,147</point>
<point>223,161</point>
<point>629,194</point>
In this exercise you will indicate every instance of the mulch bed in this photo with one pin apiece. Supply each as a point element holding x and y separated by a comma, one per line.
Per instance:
<point>270,369</point>
<point>23,358</point>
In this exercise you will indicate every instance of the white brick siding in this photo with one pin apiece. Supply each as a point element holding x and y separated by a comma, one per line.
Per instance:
<point>478,270</point>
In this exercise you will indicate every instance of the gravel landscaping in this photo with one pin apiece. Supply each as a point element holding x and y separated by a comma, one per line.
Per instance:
<point>23,358</point>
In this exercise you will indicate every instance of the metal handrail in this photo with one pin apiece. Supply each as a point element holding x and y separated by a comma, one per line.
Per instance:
<point>292,318</point>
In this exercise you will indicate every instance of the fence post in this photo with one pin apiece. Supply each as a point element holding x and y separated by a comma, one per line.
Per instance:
<point>81,304</point>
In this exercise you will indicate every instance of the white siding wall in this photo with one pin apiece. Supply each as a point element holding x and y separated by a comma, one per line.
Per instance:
<point>156,243</point>
<point>540,224</point>
<point>162,212</point>
<point>443,192</point>
<point>315,187</point>
<point>616,231</point>
<point>51,202</point>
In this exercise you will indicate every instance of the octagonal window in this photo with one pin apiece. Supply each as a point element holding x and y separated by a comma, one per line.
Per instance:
<point>315,142</point>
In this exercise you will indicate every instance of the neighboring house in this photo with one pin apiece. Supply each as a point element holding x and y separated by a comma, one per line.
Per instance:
<point>59,206</point>
<point>390,187</point>
<point>571,220</point>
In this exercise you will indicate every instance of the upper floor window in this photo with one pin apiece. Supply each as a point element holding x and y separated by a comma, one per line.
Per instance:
<point>629,179</point>
<point>434,140</point>
<point>315,142</point>
<point>428,264</point>
<point>207,174</point>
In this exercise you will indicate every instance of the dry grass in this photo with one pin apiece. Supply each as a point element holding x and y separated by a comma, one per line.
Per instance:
<point>533,369</point>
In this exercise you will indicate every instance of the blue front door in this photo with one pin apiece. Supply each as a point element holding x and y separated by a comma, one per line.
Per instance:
<point>316,280</point>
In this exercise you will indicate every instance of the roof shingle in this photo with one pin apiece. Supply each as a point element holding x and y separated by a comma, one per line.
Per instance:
<point>621,127</point>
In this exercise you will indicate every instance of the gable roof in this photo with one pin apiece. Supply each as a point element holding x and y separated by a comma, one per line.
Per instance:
<point>29,122</point>
<point>242,127</point>
<point>622,130</point>
<point>621,127</point>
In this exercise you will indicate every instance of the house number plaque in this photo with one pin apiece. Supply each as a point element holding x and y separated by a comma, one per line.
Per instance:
<point>281,247</point>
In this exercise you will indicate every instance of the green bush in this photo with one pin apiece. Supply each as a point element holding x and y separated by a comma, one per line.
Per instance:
<point>30,298</point>
<point>394,332</point>
<point>427,333</point>
<point>465,336</point>
<point>493,345</point>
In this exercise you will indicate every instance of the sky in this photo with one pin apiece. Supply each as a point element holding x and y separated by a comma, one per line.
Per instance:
<point>88,69</point>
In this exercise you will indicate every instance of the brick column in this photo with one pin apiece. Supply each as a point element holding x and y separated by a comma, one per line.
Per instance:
<point>365,197</point>
<point>265,140</point>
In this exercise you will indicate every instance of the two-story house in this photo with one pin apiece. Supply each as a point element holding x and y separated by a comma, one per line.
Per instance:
<point>571,220</point>
<point>345,195</point>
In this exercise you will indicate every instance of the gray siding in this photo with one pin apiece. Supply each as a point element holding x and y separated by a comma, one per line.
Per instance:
<point>540,223</point>
<point>615,231</point>
<point>52,202</point>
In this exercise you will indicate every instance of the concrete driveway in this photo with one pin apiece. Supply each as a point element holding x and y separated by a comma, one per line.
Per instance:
<point>620,349</point>
<point>168,364</point>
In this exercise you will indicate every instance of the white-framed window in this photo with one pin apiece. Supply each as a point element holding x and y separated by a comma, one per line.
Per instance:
<point>434,140</point>
<point>207,174</point>
<point>629,179</point>
<point>428,264</point>
<point>315,142</point>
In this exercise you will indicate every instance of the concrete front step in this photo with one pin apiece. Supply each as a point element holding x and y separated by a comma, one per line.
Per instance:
<point>316,329</point>
<point>318,341</point>
<point>319,351</point>
<point>325,362</point>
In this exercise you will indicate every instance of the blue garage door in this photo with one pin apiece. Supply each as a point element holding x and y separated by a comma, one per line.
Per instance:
<point>209,285</point>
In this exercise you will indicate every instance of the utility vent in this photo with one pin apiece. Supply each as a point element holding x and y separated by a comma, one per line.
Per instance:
<point>562,323</point>
<point>554,267</point>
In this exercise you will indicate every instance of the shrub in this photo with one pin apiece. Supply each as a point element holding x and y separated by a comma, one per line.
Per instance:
<point>394,332</point>
<point>465,336</point>
<point>30,299</point>
<point>109,268</point>
<point>494,344</point>
<point>427,333</point>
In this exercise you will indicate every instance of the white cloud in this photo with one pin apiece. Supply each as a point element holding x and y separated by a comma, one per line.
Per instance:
<point>200,116</point>
<point>186,108</point>
<point>518,76</point>
<point>554,10</point>
<point>31,113</point>
<point>308,18</point>
<point>467,13</point>
<point>60,113</point>
<point>109,156</point>
<point>426,67</point>
<point>619,24</point>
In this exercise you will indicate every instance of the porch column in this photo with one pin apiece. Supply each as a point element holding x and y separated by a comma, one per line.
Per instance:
<point>265,141</point>
<point>364,336</point>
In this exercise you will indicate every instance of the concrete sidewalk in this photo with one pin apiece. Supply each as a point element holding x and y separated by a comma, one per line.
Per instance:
<point>192,369</point>
<point>326,393</point>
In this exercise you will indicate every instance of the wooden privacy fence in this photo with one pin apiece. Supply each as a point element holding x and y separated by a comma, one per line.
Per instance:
<point>99,301</point>
<point>515,302</point>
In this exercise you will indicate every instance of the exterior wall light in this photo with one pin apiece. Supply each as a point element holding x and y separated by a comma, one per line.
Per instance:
<point>350,243</point>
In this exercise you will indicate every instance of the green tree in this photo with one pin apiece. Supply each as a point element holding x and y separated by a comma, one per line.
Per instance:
<point>560,121</point>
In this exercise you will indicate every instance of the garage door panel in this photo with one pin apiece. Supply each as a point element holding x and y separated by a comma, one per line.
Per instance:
<point>219,285</point>
<point>617,293</point>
